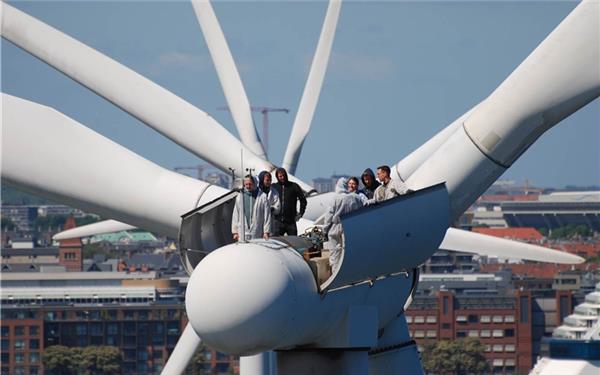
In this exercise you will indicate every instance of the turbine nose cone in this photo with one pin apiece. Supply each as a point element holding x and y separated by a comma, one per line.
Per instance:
<point>241,299</point>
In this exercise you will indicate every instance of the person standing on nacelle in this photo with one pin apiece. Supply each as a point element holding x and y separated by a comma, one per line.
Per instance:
<point>345,201</point>
<point>389,188</point>
<point>264,184</point>
<point>256,215</point>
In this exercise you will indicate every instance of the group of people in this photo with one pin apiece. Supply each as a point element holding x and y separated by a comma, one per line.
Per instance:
<point>348,198</point>
<point>264,209</point>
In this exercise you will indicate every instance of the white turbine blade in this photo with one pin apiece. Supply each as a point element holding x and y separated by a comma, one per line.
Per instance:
<point>183,353</point>
<point>238,103</point>
<point>49,154</point>
<point>101,227</point>
<point>312,90</point>
<point>558,78</point>
<point>160,109</point>
<point>477,243</point>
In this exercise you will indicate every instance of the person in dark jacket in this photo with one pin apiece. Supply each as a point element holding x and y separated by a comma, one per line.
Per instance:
<point>289,195</point>
<point>369,182</point>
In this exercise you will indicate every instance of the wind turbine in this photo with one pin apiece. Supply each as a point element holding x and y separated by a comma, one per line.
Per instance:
<point>353,322</point>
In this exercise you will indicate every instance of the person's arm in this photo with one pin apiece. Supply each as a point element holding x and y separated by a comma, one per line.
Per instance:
<point>302,199</point>
<point>267,219</point>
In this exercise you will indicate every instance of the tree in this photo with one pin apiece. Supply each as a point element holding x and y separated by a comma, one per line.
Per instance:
<point>62,360</point>
<point>462,356</point>
<point>101,359</point>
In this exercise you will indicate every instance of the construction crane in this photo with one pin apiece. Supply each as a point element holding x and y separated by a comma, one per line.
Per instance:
<point>265,123</point>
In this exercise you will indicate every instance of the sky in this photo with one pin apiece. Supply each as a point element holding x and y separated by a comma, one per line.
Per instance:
<point>399,73</point>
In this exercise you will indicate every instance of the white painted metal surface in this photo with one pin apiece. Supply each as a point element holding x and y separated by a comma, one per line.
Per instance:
<point>398,234</point>
<point>155,106</point>
<point>547,87</point>
<point>272,300</point>
<point>312,90</point>
<point>477,243</point>
<point>124,186</point>
<point>183,353</point>
<point>101,227</point>
<point>560,76</point>
<point>230,79</point>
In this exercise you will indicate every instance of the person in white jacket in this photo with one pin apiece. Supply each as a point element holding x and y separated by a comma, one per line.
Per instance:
<point>343,203</point>
<point>256,215</point>
<point>264,184</point>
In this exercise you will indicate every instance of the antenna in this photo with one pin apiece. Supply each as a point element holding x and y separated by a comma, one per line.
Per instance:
<point>242,238</point>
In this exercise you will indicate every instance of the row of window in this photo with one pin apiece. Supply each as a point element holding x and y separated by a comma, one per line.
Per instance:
<point>19,370</point>
<point>34,357</point>
<point>463,319</point>
<point>487,333</point>
<point>113,314</point>
<point>20,330</point>
<point>19,344</point>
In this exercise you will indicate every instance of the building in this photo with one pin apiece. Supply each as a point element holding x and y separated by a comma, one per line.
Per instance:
<point>503,323</point>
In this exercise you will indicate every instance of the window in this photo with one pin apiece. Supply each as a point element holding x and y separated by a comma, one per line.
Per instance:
<point>497,348</point>
<point>34,357</point>
<point>33,370</point>
<point>488,348</point>
<point>445,305</point>
<point>19,344</point>
<point>4,344</point>
<point>473,333</point>
<point>473,318</point>
<point>419,319</point>
<point>34,330</point>
<point>128,315</point>
<point>19,331</point>
<point>509,332</point>
<point>498,362</point>
<point>431,334</point>
<point>19,357</point>
<point>461,318</point>
<point>461,334</point>
<point>4,358</point>
<point>431,319</point>
<point>497,319</point>
<point>419,334</point>
<point>5,331</point>
<point>81,329</point>
<point>509,319</point>
<point>485,319</point>
<point>510,348</point>
<point>486,333</point>
<point>409,319</point>
<point>498,333</point>
<point>445,325</point>
<point>34,344</point>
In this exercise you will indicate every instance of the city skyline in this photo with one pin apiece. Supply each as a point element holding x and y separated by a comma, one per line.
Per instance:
<point>420,64</point>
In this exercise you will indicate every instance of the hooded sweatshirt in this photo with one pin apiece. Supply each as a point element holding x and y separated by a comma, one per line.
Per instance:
<point>369,191</point>
<point>289,194</point>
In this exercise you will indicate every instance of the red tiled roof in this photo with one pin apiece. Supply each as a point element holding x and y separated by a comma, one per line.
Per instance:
<point>525,234</point>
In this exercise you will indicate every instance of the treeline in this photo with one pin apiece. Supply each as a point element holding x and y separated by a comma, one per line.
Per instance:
<point>567,232</point>
<point>93,360</point>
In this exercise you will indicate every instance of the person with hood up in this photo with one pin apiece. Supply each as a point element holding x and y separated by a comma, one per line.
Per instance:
<point>256,215</point>
<point>264,184</point>
<point>369,182</point>
<point>343,202</point>
<point>290,194</point>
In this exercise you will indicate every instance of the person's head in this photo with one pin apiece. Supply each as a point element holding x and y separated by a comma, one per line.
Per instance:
<point>281,175</point>
<point>249,183</point>
<point>352,184</point>
<point>341,187</point>
<point>383,173</point>
<point>264,180</point>
<point>368,178</point>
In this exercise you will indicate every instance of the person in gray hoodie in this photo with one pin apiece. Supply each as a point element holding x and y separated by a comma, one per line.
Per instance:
<point>343,203</point>
<point>370,184</point>
<point>255,218</point>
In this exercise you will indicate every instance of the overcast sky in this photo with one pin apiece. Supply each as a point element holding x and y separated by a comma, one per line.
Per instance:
<point>399,73</point>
